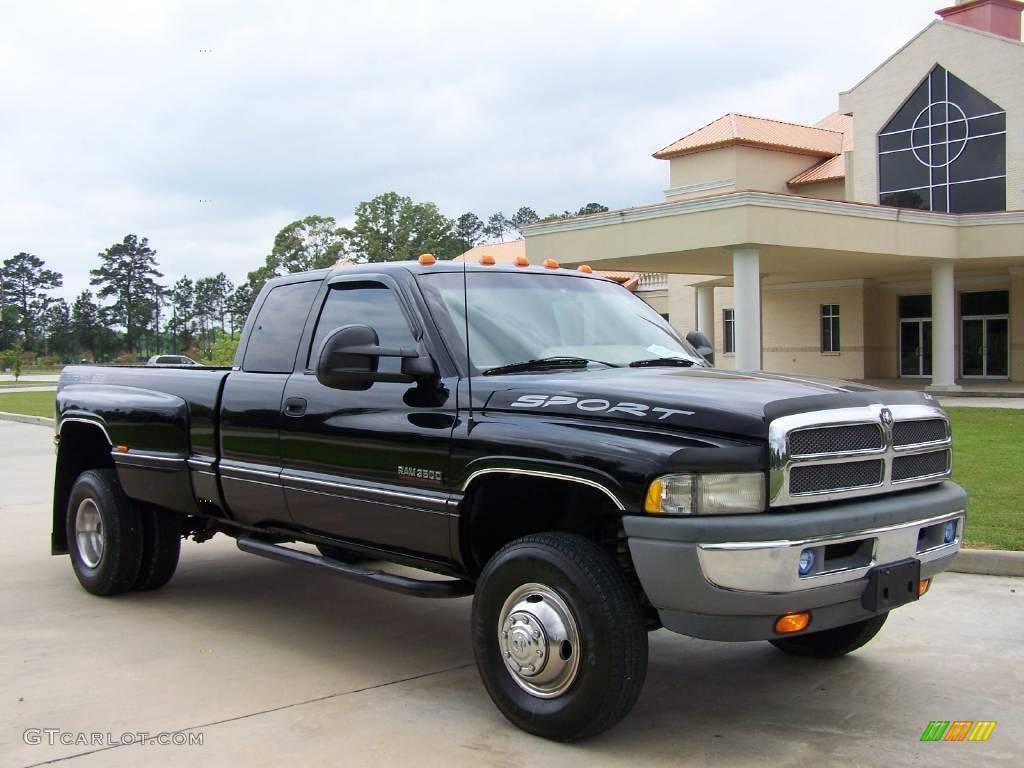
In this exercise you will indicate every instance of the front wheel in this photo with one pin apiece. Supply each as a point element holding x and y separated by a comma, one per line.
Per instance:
<point>559,636</point>
<point>832,643</point>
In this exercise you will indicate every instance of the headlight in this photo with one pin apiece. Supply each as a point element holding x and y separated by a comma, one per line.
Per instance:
<point>708,494</point>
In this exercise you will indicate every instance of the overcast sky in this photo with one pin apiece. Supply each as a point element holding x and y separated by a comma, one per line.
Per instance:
<point>113,121</point>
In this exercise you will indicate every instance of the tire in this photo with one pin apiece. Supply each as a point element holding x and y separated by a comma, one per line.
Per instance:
<point>104,531</point>
<point>832,643</point>
<point>575,593</point>
<point>340,554</point>
<point>161,546</point>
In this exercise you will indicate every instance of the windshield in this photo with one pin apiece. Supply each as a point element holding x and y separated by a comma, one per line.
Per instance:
<point>515,317</point>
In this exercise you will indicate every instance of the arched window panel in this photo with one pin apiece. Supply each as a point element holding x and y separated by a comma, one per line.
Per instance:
<point>944,149</point>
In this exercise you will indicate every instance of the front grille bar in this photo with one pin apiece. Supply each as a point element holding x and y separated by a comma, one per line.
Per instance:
<point>835,454</point>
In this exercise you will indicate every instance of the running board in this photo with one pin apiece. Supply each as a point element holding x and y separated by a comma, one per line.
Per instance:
<point>375,578</point>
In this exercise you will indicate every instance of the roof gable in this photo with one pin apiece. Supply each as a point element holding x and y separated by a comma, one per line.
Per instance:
<point>737,129</point>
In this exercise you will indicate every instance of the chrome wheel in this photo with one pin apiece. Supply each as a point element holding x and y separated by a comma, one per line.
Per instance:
<point>539,641</point>
<point>89,533</point>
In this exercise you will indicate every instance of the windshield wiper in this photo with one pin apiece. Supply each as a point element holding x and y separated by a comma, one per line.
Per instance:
<point>681,362</point>
<point>558,361</point>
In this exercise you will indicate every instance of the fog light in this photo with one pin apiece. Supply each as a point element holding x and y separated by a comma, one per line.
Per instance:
<point>792,622</point>
<point>949,532</point>
<point>807,558</point>
<point>922,586</point>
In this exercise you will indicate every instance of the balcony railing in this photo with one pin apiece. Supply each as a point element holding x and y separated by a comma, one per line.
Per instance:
<point>653,281</point>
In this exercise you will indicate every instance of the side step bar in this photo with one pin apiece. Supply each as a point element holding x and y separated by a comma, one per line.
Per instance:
<point>389,581</point>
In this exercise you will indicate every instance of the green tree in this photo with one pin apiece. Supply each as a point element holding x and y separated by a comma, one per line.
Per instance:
<point>310,243</point>
<point>523,217</point>
<point>60,340</point>
<point>126,274</point>
<point>238,305</point>
<point>92,338</point>
<point>181,325</point>
<point>391,227</point>
<point>496,227</point>
<point>468,231</point>
<point>27,284</point>
<point>591,208</point>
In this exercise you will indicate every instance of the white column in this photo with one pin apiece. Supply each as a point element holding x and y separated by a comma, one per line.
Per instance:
<point>943,327</point>
<point>706,311</point>
<point>746,280</point>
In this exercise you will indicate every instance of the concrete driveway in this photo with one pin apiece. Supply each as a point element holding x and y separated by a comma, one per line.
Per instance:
<point>275,665</point>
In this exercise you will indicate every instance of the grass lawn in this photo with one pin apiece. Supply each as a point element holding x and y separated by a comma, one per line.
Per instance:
<point>988,460</point>
<point>26,383</point>
<point>31,403</point>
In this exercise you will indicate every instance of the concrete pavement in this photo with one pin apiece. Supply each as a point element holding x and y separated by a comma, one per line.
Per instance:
<point>278,665</point>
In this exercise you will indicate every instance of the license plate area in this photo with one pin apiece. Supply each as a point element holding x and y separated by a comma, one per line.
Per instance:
<point>893,585</point>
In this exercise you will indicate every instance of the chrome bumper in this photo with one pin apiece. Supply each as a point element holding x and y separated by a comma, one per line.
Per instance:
<point>773,566</point>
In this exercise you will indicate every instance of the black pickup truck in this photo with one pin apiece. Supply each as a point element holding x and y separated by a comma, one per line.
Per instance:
<point>537,437</point>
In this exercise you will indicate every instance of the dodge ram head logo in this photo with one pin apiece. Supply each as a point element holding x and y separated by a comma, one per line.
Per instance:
<point>886,417</point>
<point>597,405</point>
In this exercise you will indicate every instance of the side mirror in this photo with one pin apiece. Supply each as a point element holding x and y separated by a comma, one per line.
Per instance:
<point>350,357</point>
<point>702,344</point>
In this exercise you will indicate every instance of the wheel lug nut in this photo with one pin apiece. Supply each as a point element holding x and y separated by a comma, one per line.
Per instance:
<point>536,634</point>
<point>540,652</point>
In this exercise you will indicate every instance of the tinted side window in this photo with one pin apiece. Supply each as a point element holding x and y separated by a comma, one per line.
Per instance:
<point>275,334</point>
<point>371,304</point>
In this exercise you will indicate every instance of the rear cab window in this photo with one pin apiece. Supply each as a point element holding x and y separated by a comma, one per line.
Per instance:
<point>274,339</point>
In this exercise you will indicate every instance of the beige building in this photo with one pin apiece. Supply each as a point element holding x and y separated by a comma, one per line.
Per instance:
<point>885,241</point>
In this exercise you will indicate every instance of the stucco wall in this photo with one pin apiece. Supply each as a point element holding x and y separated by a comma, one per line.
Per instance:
<point>766,170</point>
<point>791,330</point>
<point>826,190</point>
<point>989,64</point>
<point>704,169</point>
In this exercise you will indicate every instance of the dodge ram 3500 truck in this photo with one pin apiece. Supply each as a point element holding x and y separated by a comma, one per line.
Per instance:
<point>544,441</point>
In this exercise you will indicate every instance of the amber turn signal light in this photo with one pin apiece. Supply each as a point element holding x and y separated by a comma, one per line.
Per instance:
<point>522,261</point>
<point>792,622</point>
<point>922,586</point>
<point>487,260</point>
<point>426,259</point>
<point>585,268</point>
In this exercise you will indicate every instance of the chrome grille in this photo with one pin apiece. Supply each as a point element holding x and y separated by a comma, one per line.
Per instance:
<point>917,432</point>
<point>919,465</point>
<point>819,478</point>
<point>845,439</point>
<point>859,451</point>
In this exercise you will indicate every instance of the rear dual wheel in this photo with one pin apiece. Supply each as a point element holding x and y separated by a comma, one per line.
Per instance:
<point>559,636</point>
<point>115,544</point>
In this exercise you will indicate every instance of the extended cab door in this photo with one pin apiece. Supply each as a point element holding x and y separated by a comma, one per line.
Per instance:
<point>250,423</point>
<point>371,465</point>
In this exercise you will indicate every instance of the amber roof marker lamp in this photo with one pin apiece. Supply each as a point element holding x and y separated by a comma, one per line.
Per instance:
<point>427,259</point>
<point>487,260</point>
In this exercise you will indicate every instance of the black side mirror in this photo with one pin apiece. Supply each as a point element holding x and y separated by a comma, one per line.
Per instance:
<point>350,357</point>
<point>702,344</point>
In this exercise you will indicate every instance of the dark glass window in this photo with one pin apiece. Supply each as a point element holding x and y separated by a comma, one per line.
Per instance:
<point>729,330</point>
<point>829,327</point>
<point>274,339</point>
<point>364,303</point>
<point>985,303</point>
<point>944,149</point>
<point>915,306</point>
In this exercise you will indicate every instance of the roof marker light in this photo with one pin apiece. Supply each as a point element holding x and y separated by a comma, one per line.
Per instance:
<point>426,259</point>
<point>585,268</point>
<point>522,261</point>
<point>487,260</point>
<point>550,264</point>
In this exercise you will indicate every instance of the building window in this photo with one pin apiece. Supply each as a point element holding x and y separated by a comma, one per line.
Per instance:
<point>829,327</point>
<point>729,328</point>
<point>944,150</point>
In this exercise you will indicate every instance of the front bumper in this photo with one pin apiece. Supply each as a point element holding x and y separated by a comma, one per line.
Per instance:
<point>731,577</point>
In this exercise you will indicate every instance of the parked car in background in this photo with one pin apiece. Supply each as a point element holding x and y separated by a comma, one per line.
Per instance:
<point>179,360</point>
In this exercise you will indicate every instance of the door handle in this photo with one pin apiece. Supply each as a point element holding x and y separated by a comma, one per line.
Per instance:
<point>295,406</point>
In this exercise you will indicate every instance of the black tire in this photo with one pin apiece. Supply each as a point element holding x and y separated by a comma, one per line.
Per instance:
<point>341,555</point>
<point>161,546</point>
<point>609,625</point>
<point>832,643</point>
<point>113,566</point>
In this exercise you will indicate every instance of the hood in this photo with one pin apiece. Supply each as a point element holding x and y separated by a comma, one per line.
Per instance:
<point>701,399</point>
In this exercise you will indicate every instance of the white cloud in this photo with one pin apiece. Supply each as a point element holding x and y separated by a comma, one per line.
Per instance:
<point>115,122</point>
